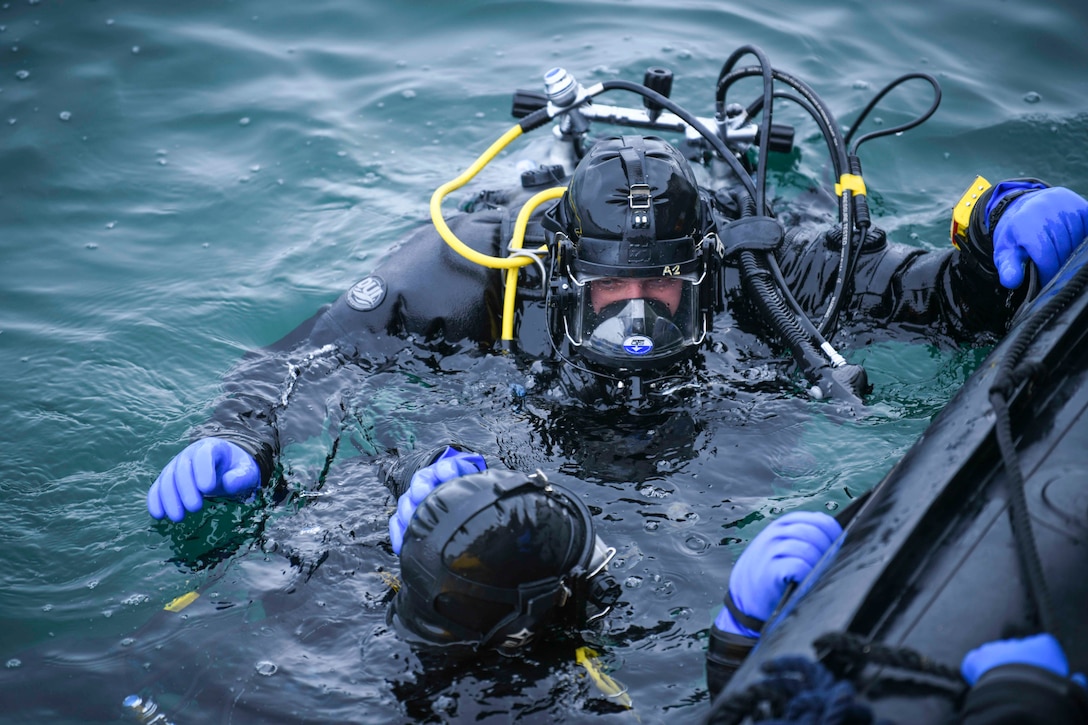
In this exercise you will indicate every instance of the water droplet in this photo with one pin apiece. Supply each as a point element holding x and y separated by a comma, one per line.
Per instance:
<point>22,74</point>
<point>244,121</point>
<point>266,668</point>
<point>135,50</point>
<point>90,245</point>
<point>47,608</point>
<point>861,85</point>
<point>652,525</point>
<point>409,94</point>
<point>696,543</point>
<point>92,584</point>
<point>832,505</point>
<point>110,225</point>
<point>127,642</point>
<point>66,115</point>
<point>1032,97</point>
<point>633,582</point>
<point>13,663</point>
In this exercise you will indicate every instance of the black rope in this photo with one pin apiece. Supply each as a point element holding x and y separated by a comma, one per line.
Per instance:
<point>796,690</point>
<point>850,653</point>
<point>1011,373</point>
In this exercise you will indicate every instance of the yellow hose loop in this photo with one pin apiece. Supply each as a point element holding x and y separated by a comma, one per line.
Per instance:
<point>520,224</point>
<point>440,193</point>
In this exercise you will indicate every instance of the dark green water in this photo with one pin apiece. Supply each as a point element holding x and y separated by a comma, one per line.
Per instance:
<point>183,182</point>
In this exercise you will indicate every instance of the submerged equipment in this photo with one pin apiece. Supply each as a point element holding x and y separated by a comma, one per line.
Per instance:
<point>732,137</point>
<point>490,559</point>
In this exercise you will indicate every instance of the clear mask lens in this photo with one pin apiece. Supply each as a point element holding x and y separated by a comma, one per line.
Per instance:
<point>635,322</point>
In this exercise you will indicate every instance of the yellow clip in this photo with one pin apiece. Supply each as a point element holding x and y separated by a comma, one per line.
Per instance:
<point>179,603</point>
<point>961,213</point>
<point>587,658</point>
<point>850,182</point>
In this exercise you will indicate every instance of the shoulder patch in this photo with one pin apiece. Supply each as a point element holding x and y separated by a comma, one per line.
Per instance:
<point>367,293</point>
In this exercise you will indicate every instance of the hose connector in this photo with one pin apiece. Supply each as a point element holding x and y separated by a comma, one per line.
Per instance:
<point>560,87</point>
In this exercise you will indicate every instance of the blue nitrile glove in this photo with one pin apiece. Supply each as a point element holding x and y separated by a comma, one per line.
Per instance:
<point>783,552</point>
<point>208,467</point>
<point>1044,226</point>
<point>451,464</point>
<point>1041,651</point>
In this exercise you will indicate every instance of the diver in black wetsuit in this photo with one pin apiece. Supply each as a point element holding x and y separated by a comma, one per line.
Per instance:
<point>639,271</point>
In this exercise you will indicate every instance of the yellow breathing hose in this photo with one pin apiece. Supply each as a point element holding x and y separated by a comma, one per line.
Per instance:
<point>511,293</point>
<point>511,264</point>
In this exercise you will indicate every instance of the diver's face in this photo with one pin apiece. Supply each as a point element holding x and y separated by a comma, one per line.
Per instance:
<point>605,291</point>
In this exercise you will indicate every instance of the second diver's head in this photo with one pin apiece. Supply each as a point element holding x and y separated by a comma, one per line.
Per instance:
<point>491,559</point>
<point>633,279</point>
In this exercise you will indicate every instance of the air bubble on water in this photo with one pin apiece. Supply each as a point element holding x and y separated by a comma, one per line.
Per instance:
<point>135,50</point>
<point>266,668</point>
<point>832,505</point>
<point>696,544</point>
<point>66,115</point>
<point>14,662</point>
<point>409,94</point>
<point>1032,97</point>
<point>633,582</point>
<point>110,225</point>
<point>47,608</point>
<point>243,121</point>
<point>860,85</point>
<point>22,74</point>
<point>127,642</point>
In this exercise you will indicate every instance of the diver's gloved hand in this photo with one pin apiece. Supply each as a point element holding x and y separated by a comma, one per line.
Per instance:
<point>208,467</point>
<point>1044,225</point>
<point>783,552</point>
<point>451,464</point>
<point>1041,651</point>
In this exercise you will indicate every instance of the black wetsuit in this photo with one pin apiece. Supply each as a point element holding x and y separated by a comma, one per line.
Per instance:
<point>424,292</point>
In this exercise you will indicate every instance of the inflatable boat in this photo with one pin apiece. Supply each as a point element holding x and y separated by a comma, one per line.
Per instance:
<point>979,533</point>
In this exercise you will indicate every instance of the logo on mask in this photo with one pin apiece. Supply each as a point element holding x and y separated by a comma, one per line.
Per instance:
<point>638,344</point>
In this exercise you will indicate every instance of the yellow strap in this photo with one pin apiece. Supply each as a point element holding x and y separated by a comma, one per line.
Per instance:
<point>961,213</point>
<point>850,182</point>
<point>179,603</point>
<point>587,658</point>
